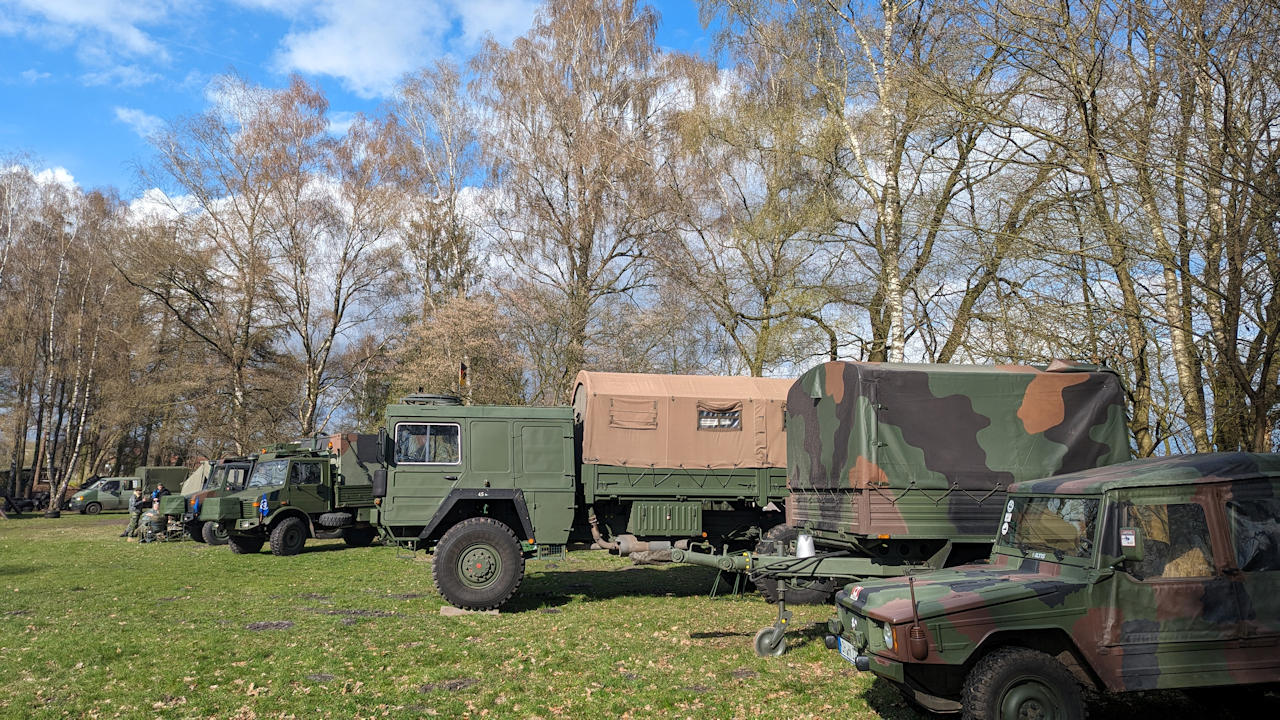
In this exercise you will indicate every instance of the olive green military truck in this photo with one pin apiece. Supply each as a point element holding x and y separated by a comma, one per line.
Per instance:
<point>113,493</point>
<point>228,475</point>
<point>317,488</point>
<point>638,464</point>
<point>900,466</point>
<point>1153,574</point>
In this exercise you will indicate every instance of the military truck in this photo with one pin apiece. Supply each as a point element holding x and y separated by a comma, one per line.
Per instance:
<point>1153,574</point>
<point>313,489</point>
<point>639,464</point>
<point>900,466</point>
<point>228,475</point>
<point>113,493</point>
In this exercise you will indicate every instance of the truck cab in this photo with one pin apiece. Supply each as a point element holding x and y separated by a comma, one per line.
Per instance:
<point>228,475</point>
<point>313,489</point>
<point>1153,574</point>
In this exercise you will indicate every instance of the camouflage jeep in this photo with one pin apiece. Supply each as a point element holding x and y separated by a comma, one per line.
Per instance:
<point>1152,574</point>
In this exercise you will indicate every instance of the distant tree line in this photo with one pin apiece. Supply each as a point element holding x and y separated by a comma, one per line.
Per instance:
<point>942,181</point>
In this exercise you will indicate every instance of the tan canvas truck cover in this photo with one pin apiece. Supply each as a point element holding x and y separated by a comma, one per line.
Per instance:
<point>195,481</point>
<point>681,421</point>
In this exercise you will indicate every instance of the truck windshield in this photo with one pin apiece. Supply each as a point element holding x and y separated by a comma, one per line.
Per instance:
<point>272,472</point>
<point>1063,526</point>
<point>213,479</point>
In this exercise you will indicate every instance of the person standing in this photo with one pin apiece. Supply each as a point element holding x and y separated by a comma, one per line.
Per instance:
<point>136,502</point>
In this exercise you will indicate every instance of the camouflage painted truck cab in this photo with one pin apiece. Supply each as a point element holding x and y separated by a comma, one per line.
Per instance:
<point>113,493</point>
<point>228,475</point>
<point>317,488</point>
<point>1152,574</point>
<point>639,464</point>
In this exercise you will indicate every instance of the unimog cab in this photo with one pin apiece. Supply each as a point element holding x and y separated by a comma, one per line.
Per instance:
<point>228,475</point>
<point>317,488</point>
<point>113,493</point>
<point>1152,574</point>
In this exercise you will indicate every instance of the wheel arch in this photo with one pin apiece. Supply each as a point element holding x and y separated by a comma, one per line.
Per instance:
<point>1052,641</point>
<point>505,506</point>
<point>289,512</point>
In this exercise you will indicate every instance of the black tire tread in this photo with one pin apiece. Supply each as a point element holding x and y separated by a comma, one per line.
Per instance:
<point>336,519</point>
<point>452,589</point>
<point>244,544</point>
<point>209,534</point>
<point>989,674</point>
<point>280,535</point>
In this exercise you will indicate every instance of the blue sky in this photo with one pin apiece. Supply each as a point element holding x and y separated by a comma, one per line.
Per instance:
<point>82,82</point>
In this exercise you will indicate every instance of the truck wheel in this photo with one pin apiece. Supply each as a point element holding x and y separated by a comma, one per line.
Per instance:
<point>194,530</point>
<point>213,534</point>
<point>336,519</point>
<point>478,564</point>
<point>288,537</point>
<point>92,508</point>
<point>1013,683</point>
<point>359,536</point>
<point>244,544</point>
<point>780,540</point>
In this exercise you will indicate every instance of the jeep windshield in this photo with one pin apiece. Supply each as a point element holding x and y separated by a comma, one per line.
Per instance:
<point>272,472</point>
<point>1052,525</point>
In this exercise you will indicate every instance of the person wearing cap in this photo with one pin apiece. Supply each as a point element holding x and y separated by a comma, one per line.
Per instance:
<point>136,502</point>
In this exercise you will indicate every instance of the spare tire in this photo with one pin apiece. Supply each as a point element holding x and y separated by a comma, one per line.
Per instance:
<point>336,519</point>
<point>781,540</point>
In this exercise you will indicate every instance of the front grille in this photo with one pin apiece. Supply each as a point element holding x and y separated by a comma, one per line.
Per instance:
<point>247,510</point>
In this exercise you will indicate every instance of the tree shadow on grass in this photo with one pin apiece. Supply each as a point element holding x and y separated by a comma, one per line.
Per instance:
<point>9,570</point>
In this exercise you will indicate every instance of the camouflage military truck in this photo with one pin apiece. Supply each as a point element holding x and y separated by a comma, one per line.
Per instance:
<point>900,466</point>
<point>638,464</point>
<point>113,493</point>
<point>1153,574</point>
<point>317,488</point>
<point>228,475</point>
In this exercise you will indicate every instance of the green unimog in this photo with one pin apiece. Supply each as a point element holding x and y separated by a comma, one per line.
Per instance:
<point>113,493</point>
<point>228,475</point>
<point>318,488</point>
<point>639,464</point>
<point>1153,574</point>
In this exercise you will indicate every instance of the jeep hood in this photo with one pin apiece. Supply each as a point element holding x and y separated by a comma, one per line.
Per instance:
<point>955,590</point>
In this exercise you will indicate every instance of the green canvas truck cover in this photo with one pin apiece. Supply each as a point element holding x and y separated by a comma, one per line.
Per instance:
<point>919,450</point>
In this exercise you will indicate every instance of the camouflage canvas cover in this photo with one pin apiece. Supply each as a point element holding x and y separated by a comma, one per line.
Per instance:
<point>918,450</point>
<point>681,421</point>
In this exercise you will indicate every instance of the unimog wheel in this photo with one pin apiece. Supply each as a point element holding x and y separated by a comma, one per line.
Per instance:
<point>359,536</point>
<point>92,508</point>
<point>244,544</point>
<point>213,534</point>
<point>193,530</point>
<point>288,536</point>
<point>780,540</point>
<point>478,564</point>
<point>1019,683</point>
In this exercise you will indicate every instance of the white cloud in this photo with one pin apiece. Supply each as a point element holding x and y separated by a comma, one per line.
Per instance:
<point>31,75</point>
<point>368,46</point>
<point>57,175</point>
<point>340,121</point>
<point>155,205</point>
<point>120,75</point>
<point>142,123</point>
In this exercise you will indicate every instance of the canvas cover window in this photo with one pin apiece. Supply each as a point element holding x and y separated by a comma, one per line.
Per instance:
<point>719,416</point>
<point>1255,530</point>
<point>630,414</point>
<point>1175,541</point>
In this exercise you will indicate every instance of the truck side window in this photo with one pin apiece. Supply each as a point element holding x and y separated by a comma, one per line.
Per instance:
<point>1175,541</point>
<point>1255,532</point>
<point>431,443</point>
<point>305,474</point>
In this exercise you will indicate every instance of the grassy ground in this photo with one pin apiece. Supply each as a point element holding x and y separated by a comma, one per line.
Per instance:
<point>94,626</point>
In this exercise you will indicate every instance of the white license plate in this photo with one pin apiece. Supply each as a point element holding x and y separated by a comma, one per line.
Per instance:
<point>847,650</point>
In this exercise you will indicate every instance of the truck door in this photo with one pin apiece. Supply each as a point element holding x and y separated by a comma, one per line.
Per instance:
<point>308,490</point>
<point>1175,615</point>
<point>427,462</point>
<point>1253,523</point>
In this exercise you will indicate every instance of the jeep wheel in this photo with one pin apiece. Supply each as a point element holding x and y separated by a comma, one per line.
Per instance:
<point>359,536</point>
<point>1016,683</point>
<point>193,530</point>
<point>213,534</point>
<point>244,544</point>
<point>92,508</point>
<point>478,564</point>
<point>288,536</point>
<point>780,540</point>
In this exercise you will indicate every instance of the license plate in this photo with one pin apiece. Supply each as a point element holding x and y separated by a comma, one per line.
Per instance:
<point>847,650</point>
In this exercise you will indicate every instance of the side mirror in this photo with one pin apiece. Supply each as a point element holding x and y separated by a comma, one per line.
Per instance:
<point>1131,544</point>
<point>379,482</point>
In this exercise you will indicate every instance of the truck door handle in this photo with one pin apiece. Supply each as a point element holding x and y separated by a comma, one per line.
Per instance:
<point>451,478</point>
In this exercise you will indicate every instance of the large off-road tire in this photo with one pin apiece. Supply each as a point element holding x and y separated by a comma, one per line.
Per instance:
<point>213,534</point>
<point>780,540</point>
<point>244,544</point>
<point>92,508</point>
<point>288,536</point>
<point>336,519</point>
<point>193,530</point>
<point>359,536</point>
<point>1014,683</point>
<point>478,564</point>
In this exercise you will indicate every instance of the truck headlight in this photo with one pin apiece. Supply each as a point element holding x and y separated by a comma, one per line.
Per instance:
<point>888,636</point>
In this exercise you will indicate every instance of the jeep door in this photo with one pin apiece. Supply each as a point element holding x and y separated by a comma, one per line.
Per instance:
<point>1253,522</point>
<point>427,462</point>
<point>1172,618</point>
<point>308,487</point>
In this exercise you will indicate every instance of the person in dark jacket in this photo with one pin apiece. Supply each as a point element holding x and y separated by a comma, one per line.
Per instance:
<point>136,505</point>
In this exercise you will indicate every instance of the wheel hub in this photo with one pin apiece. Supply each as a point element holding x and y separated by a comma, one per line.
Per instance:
<point>1029,701</point>
<point>479,565</point>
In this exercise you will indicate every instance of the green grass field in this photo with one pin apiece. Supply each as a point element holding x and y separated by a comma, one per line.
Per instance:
<point>94,626</point>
